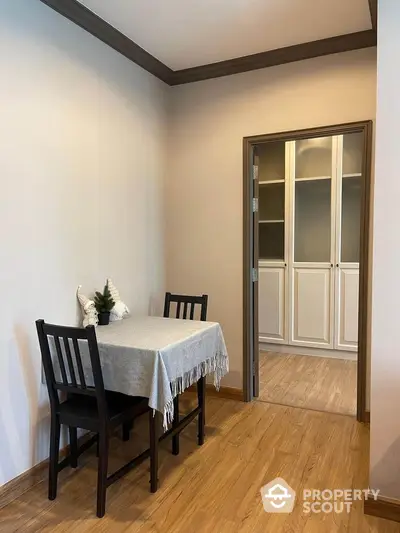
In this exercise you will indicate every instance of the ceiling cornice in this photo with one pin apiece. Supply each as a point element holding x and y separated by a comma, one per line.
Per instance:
<point>92,23</point>
<point>281,56</point>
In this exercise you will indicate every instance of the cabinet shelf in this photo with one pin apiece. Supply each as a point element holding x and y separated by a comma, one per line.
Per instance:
<point>270,182</point>
<point>316,178</point>
<point>271,221</point>
<point>354,175</point>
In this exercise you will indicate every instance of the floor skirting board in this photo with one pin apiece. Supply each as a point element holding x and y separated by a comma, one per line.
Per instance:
<point>228,393</point>
<point>383,508</point>
<point>305,350</point>
<point>35,475</point>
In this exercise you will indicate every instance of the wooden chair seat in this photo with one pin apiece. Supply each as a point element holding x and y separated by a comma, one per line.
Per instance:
<point>83,411</point>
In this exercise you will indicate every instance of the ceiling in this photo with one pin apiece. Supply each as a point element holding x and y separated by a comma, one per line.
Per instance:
<point>188,33</point>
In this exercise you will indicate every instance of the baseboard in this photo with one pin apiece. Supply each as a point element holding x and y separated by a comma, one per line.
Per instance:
<point>305,350</point>
<point>383,508</point>
<point>228,393</point>
<point>35,475</point>
<point>21,484</point>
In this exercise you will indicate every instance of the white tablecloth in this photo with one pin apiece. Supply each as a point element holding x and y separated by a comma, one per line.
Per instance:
<point>159,358</point>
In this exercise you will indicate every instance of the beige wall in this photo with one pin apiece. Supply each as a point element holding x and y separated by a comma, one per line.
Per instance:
<point>82,139</point>
<point>208,121</point>
<point>83,135</point>
<point>385,360</point>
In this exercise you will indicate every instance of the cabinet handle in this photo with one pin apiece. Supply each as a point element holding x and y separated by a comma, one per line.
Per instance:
<point>337,265</point>
<point>331,265</point>
<point>285,265</point>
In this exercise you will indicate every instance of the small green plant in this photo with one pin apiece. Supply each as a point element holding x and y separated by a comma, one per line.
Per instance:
<point>103,302</point>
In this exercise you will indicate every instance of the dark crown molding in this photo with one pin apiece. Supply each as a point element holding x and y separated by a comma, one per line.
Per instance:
<point>92,23</point>
<point>272,58</point>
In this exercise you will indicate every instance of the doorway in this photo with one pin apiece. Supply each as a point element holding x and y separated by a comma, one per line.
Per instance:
<point>306,249</point>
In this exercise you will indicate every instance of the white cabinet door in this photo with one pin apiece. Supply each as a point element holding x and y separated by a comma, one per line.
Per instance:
<point>347,307</point>
<point>348,214</point>
<point>312,306</point>
<point>271,304</point>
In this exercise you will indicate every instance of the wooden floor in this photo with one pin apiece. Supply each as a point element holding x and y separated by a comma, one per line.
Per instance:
<point>215,488</point>
<point>310,382</point>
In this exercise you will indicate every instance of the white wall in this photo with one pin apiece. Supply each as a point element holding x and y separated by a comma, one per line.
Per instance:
<point>82,140</point>
<point>385,383</point>
<point>204,195</point>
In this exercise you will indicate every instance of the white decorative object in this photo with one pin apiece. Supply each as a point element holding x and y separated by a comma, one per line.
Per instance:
<point>90,316</point>
<point>120,310</point>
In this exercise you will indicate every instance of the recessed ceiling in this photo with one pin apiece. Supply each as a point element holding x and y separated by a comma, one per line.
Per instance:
<point>188,33</point>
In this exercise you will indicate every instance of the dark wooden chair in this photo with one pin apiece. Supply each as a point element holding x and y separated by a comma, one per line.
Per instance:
<point>184,302</point>
<point>88,407</point>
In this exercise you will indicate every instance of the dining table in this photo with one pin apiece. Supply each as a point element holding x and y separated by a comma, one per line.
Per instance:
<point>159,358</point>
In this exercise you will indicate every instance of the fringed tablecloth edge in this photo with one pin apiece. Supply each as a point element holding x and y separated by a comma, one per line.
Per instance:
<point>218,365</point>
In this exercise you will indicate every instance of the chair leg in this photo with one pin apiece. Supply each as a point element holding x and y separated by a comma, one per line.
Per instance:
<point>102,474</point>
<point>153,423</point>
<point>126,430</point>
<point>54,454</point>
<point>201,396</point>
<point>73,446</point>
<point>175,422</point>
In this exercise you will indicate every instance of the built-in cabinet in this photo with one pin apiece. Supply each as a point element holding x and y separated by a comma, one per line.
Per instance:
<point>309,235</point>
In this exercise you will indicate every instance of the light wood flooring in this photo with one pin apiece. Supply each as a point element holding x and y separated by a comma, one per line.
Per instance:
<point>310,382</point>
<point>215,488</point>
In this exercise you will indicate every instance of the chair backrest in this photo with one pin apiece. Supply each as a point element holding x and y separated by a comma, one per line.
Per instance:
<point>67,354</point>
<point>187,301</point>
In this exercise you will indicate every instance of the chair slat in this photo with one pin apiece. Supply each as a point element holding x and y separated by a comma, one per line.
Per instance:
<point>180,299</point>
<point>61,360</point>
<point>79,363</point>
<point>71,353</point>
<point>70,362</point>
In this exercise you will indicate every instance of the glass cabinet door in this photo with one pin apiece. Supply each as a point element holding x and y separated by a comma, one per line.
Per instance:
<point>312,225</point>
<point>353,145</point>
<point>314,158</point>
<point>271,159</point>
<point>313,200</point>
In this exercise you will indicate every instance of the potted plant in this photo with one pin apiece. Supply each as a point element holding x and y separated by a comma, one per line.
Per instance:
<point>104,303</point>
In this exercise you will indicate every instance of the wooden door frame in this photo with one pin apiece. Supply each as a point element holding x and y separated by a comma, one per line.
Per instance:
<point>250,314</point>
